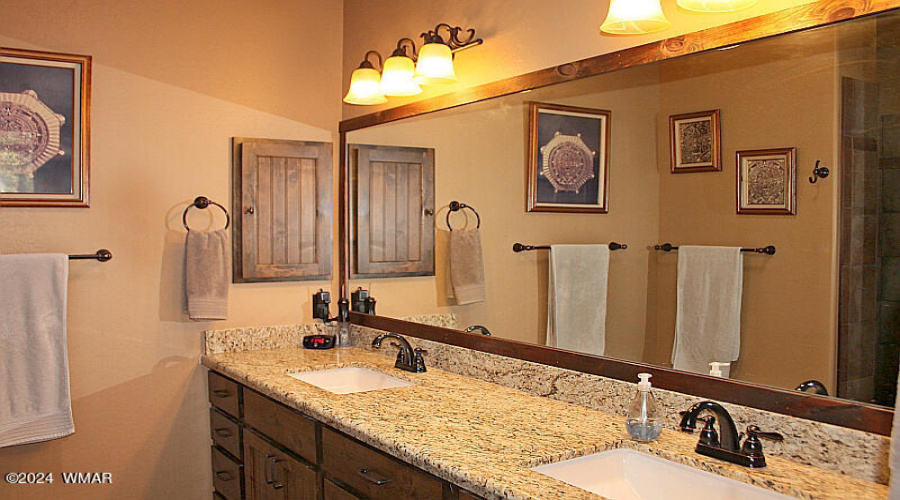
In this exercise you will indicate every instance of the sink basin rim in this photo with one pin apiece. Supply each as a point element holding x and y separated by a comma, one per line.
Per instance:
<point>350,379</point>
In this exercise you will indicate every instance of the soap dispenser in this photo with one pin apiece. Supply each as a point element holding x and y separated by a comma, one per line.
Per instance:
<point>643,423</point>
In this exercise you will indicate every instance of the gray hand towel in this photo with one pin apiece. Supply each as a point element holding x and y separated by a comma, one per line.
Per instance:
<point>708,314</point>
<point>576,298</point>
<point>34,396</point>
<point>466,266</point>
<point>207,269</point>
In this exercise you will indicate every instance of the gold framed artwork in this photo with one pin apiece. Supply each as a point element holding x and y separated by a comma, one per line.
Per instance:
<point>767,181</point>
<point>694,142</point>
<point>45,129</point>
<point>568,160</point>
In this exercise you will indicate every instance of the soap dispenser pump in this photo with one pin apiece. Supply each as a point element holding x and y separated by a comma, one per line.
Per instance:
<point>643,423</point>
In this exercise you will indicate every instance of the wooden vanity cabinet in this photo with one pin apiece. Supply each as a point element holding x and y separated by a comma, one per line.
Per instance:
<point>282,454</point>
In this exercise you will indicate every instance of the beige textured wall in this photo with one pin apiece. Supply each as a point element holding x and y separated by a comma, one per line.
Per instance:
<point>481,164</point>
<point>173,82</point>
<point>520,36</point>
<point>787,316</point>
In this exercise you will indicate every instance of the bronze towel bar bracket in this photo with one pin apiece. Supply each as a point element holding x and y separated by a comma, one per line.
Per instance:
<point>768,250</point>
<point>102,255</point>
<point>518,247</point>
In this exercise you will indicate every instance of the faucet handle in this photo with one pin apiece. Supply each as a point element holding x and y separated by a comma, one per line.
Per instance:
<point>752,446</point>
<point>419,361</point>
<point>753,431</point>
<point>708,435</point>
<point>686,425</point>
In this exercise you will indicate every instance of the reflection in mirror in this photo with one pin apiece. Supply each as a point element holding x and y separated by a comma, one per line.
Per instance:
<point>823,308</point>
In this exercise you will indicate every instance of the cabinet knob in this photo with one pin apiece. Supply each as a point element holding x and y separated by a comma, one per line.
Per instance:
<point>223,432</point>
<point>429,212</point>
<point>249,210</point>
<point>221,393</point>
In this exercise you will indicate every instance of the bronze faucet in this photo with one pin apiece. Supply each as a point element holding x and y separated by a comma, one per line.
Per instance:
<point>729,447</point>
<point>408,359</point>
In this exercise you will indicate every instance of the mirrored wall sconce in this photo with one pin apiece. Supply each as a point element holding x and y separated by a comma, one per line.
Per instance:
<point>406,69</point>
<point>638,17</point>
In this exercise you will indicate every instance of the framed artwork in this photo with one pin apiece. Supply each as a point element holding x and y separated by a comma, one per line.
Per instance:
<point>767,181</point>
<point>568,159</point>
<point>44,129</point>
<point>694,140</point>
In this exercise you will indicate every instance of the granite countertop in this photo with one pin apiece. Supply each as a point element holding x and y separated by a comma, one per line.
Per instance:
<point>484,437</point>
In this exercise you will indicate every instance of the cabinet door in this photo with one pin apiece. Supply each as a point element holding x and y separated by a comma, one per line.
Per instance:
<point>270,474</point>
<point>283,210</point>
<point>393,211</point>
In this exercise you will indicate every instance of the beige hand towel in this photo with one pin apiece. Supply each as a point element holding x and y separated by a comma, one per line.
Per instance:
<point>708,313</point>
<point>466,266</point>
<point>34,395</point>
<point>576,298</point>
<point>207,269</point>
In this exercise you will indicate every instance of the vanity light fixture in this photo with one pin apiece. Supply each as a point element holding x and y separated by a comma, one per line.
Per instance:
<point>365,83</point>
<point>715,5</point>
<point>634,17</point>
<point>406,69</point>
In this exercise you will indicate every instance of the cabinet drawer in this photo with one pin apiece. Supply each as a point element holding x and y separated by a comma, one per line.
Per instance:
<point>225,432</point>
<point>224,394</point>
<point>226,475</point>
<point>335,492</point>
<point>373,473</point>
<point>292,430</point>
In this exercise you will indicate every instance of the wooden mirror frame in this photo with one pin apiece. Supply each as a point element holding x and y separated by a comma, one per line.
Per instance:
<point>841,412</point>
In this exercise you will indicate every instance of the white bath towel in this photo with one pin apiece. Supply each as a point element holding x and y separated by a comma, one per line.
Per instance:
<point>576,299</point>
<point>708,315</point>
<point>34,395</point>
<point>207,270</point>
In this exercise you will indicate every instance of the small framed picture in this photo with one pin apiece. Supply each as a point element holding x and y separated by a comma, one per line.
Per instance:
<point>767,181</point>
<point>568,160</point>
<point>44,129</point>
<point>694,140</point>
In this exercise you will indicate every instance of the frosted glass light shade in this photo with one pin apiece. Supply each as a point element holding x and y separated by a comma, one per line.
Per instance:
<point>715,5</point>
<point>365,88</point>
<point>634,17</point>
<point>435,65</point>
<point>397,77</point>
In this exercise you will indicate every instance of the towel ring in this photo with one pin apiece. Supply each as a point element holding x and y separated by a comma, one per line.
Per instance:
<point>456,206</point>
<point>202,202</point>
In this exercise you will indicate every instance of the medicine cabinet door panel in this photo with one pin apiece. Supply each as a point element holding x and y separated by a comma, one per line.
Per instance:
<point>283,195</point>
<point>393,211</point>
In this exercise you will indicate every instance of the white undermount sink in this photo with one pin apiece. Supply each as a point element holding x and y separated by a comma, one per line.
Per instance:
<point>631,475</point>
<point>349,380</point>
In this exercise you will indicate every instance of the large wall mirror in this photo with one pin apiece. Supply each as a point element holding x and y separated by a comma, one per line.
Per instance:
<point>824,307</point>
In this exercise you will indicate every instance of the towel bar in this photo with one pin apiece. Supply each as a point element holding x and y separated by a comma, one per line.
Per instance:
<point>518,247</point>
<point>768,250</point>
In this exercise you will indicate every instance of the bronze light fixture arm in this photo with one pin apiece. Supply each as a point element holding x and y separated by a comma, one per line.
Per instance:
<point>453,41</point>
